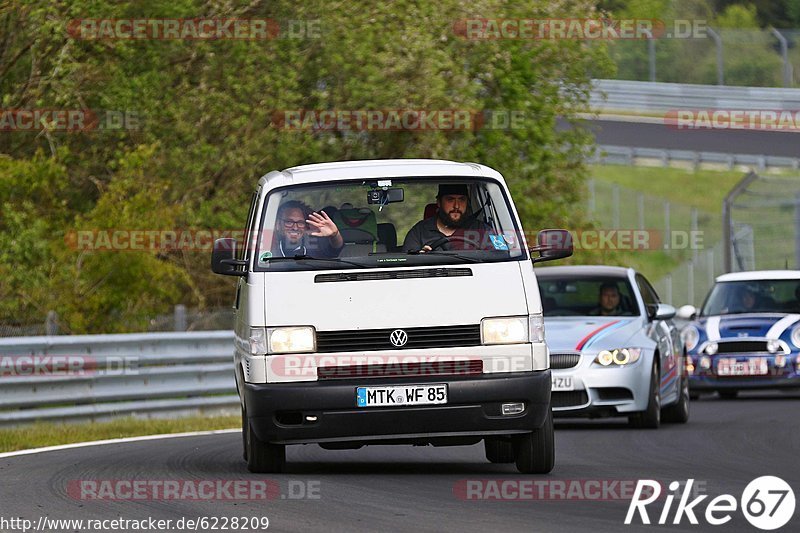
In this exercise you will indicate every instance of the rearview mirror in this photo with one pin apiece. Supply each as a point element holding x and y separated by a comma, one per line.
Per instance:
<point>384,196</point>
<point>223,258</point>
<point>552,244</point>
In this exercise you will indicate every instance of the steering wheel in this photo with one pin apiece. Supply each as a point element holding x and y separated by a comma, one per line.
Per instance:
<point>441,241</point>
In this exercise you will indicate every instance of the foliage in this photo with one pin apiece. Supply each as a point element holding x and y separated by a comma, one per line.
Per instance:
<point>205,133</point>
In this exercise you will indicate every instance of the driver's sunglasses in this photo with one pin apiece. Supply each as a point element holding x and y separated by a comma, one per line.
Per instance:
<point>288,224</point>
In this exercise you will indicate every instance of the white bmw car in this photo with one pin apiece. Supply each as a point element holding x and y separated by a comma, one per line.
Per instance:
<point>614,348</point>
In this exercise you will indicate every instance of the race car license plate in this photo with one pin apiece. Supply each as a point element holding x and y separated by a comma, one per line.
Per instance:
<point>562,383</point>
<point>394,395</point>
<point>756,366</point>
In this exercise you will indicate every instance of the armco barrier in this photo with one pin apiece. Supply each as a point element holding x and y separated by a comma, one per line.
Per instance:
<point>626,155</point>
<point>656,97</point>
<point>105,376</point>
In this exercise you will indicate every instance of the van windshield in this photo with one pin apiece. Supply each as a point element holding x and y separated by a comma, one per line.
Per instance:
<point>390,222</point>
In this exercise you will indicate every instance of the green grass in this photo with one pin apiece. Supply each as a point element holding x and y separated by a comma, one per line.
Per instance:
<point>50,434</point>
<point>702,189</point>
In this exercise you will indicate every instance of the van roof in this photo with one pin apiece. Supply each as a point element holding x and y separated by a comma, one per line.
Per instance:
<point>379,168</point>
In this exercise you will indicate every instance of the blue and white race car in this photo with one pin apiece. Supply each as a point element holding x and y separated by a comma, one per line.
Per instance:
<point>747,334</point>
<point>614,348</point>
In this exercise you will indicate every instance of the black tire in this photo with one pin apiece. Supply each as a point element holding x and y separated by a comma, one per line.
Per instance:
<point>535,452</point>
<point>499,450</point>
<point>727,394</point>
<point>263,457</point>
<point>244,434</point>
<point>678,413</point>
<point>694,396</point>
<point>650,418</point>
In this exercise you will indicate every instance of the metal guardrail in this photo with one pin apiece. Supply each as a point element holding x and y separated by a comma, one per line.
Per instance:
<point>649,97</point>
<point>626,155</point>
<point>93,377</point>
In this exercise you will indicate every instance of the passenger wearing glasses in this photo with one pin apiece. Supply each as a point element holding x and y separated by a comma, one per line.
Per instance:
<point>300,231</point>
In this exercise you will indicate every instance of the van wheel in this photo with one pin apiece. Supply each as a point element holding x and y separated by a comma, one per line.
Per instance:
<point>498,450</point>
<point>535,452</point>
<point>650,418</point>
<point>263,457</point>
<point>679,412</point>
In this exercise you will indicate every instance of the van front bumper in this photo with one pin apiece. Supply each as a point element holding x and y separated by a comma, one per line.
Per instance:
<point>325,411</point>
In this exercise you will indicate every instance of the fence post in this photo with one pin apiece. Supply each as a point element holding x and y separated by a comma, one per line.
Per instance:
<point>640,209</point>
<point>51,323</point>
<point>180,317</point>
<point>710,256</point>
<point>690,282</point>
<point>615,201</point>
<point>787,65</point>
<point>693,232</point>
<point>720,65</point>
<point>591,196</point>
<point>668,284</point>
<point>651,54</point>
<point>666,222</point>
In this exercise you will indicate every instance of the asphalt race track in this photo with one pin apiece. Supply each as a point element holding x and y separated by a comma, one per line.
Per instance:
<point>385,488</point>
<point>644,135</point>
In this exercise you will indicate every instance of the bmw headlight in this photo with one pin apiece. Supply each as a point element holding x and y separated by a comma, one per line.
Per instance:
<point>291,339</point>
<point>510,330</point>
<point>796,336</point>
<point>618,356</point>
<point>690,336</point>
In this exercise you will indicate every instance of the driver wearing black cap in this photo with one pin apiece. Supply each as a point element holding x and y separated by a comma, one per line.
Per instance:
<point>451,220</point>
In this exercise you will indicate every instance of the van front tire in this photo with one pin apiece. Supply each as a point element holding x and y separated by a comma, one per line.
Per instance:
<point>535,451</point>
<point>263,457</point>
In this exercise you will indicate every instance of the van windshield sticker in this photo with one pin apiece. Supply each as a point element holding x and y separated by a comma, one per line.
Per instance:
<point>498,242</point>
<point>392,260</point>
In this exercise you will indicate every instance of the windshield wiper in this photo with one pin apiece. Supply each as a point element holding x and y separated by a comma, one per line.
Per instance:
<point>447,253</point>
<point>301,257</point>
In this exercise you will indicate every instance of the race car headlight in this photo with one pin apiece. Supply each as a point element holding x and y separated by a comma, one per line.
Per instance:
<point>690,337</point>
<point>796,336</point>
<point>773,346</point>
<point>512,330</point>
<point>618,356</point>
<point>291,339</point>
<point>712,348</point>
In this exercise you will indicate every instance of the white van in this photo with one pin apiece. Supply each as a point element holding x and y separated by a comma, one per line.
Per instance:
<point>390,302</point>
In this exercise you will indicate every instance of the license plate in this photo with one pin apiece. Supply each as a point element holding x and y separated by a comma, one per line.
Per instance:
<point>394,395</point>
<point>562,383</point>
<point>756,366</point>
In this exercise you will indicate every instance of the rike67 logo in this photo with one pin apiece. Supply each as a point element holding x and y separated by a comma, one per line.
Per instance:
<point>767,502</point>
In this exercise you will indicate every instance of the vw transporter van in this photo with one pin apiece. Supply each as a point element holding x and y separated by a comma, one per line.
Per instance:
<point>390,302</point>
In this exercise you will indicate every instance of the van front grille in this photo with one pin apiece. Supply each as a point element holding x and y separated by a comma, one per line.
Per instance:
<point>393,274</point>
<point>379,339</point>
<point>472,367</point>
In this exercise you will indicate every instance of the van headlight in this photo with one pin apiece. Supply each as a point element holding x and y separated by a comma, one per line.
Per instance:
<point>291,339</point>
<point>511,330</point>
<point>618,356</point>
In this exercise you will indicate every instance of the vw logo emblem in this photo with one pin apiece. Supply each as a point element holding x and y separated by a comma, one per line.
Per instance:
<point>398,337</point>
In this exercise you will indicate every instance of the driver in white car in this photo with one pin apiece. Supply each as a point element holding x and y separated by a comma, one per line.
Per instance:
<point>451,221</point>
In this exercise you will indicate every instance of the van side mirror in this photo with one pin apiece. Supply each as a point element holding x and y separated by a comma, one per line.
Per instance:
<point>686,312</point>
<point>552,244</point>
<point>223,258</point>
